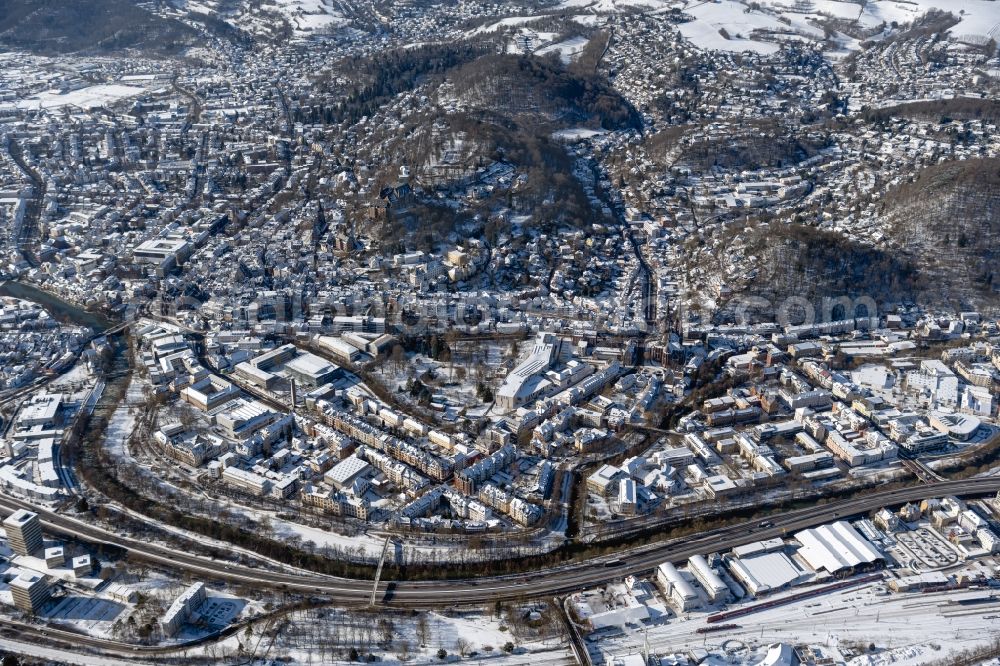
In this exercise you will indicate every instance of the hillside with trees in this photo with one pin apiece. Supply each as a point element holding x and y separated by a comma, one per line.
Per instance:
<point>540,92</point>
<point>473,129</point>
<point>791,260</point>
<point>89,26</point>
<point>947,219</point>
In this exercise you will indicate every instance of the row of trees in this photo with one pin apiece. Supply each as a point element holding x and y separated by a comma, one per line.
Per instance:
<point>939,110</point>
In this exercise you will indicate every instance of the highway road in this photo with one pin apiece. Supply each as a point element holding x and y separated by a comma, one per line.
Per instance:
<point>555,580</point>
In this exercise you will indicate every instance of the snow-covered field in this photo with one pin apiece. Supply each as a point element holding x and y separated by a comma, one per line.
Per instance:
<point>795,19</point>
<point>122,422</point>
<point>509,22</point>
<point>567,50</point>
<point>978,17</point>
<point>309,16</point>
<point>85,98</point>
<point>576,133</point>
<point>712,19</point>
<point>609,6</point>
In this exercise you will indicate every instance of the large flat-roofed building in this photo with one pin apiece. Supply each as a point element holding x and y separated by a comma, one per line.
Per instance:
<point>340,348</point>
<point>30,591</point>
<point>604,479</point>
<point>718,485</point>
<point>862,450</point>
<point>24,532</point>
<point>310,370</point>
<point>925,440</point>
<point>275,357</point>
<point>764,572</point>
<point>251,374</point>
<point>708,577</point>
<point>957,426</point>
<point>44,411</point>
<point>242,418</point>
<point>344,473</point>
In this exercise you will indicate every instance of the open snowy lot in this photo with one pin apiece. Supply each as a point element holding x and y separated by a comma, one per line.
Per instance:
<point>85,98</point>
<point>309,16</point>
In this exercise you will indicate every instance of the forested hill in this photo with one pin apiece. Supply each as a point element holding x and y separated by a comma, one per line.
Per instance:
<point>89,26</point>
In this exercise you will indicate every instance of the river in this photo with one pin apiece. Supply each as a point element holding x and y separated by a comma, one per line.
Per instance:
<point>62,311</point>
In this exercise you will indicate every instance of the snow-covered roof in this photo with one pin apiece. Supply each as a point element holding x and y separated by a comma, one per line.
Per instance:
<point>835,547</point>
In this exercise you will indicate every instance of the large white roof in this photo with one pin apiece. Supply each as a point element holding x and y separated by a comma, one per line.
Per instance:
<point>834,547</point>
<point>310,365</point>
<point>766,572</point>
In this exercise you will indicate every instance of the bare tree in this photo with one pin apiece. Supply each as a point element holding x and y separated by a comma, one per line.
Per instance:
<point>398,357</point>
<point>188,417</point>
<point>423,629</point>
<point>387,630</point>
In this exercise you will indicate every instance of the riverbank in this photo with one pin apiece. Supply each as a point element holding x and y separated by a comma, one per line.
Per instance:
<point>61,310</point>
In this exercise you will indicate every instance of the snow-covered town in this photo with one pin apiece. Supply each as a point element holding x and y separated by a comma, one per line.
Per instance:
<point>600,332</point>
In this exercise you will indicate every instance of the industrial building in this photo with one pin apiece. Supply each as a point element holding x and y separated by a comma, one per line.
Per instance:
<point>763,567</point>
<point>708,578</point>
<point>679,591</point>
<point>836,547</point>
<point>346,472</point>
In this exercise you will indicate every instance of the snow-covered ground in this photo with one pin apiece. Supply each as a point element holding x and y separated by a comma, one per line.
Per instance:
<point>85,98</point>
<point>509,22</point>
<point>59,656</point>
<point>977,17</point>
<point>576,133</point>
<point>907,629</point>
<point>122,422</point>
<point>475,632</point>
<point>979,20</point>
<point>308,16</point>
<point>75,383</point>
<point>712,19</point>
<point>454,384</point>
<point>610,6</point>
<point>568,49</point>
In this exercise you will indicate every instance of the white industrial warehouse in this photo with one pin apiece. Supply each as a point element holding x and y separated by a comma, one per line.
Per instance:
<point>836,547</point>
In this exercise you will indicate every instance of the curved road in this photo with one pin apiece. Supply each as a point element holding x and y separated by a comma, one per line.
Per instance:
<point>555,580</point>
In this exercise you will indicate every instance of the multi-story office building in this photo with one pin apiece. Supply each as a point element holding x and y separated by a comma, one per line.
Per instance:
<point>24,532</point>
